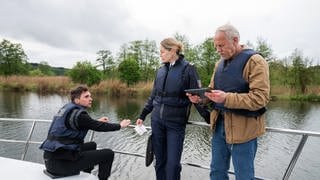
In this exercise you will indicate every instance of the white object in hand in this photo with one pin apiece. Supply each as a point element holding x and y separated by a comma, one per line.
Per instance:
<point>140,129</point>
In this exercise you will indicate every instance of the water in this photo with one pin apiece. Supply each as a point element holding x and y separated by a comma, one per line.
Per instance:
<point>274,152</point>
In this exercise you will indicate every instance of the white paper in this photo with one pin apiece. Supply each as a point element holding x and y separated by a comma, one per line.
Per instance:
<point>140,129</point>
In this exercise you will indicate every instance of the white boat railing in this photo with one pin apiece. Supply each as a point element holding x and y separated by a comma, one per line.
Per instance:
<point>295,157</point>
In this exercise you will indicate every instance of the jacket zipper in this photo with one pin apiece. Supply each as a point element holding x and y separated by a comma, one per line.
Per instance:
<point>161,110</point>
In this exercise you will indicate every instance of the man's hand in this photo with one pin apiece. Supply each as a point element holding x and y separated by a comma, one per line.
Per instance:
<point>216,96</point>
<point>125,123</point>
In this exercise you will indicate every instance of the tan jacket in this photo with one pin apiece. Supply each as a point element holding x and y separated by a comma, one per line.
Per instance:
<point>238,128</point>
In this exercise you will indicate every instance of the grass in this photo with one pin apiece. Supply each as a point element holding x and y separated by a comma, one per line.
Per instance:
<point>286,93</point>
<point>309,97</point>
<point>116,88</point>
<point>63,84</point>
<point>49,84</point>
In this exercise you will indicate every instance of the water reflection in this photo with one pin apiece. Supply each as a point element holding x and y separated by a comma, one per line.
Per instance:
<point>293,110</point>
<point>10,105</point>
<point>274,152</point>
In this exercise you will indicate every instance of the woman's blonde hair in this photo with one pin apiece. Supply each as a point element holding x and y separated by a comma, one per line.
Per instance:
<point>172,43</point>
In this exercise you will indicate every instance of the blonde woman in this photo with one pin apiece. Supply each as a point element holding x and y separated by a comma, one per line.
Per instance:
<point>170,108</point>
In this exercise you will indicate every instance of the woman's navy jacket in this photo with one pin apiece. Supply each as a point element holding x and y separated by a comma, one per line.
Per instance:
<point>168,99</point>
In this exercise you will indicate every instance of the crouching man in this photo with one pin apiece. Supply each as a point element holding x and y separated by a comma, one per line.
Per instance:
<point>65,152</point>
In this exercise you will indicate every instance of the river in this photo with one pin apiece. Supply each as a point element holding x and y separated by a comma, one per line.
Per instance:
<point>274,151</point>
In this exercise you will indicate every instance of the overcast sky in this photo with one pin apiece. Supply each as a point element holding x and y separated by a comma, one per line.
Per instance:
<point>63,32</point>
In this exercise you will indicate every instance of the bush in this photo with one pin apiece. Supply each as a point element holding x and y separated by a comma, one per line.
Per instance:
<point>85,73</point>
<point>129,71</point>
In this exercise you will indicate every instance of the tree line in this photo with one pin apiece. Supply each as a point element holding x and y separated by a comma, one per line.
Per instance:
<point>138,61</point>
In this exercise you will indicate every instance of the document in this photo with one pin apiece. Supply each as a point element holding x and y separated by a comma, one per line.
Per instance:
<point>140,129</point>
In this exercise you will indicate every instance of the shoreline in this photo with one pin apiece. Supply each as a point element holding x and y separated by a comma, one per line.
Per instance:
<point>114,87</point>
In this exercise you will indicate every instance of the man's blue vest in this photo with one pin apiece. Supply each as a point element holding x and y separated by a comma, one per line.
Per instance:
<point>170,84</point>
<point>229,78</point>
<point>60,136</point>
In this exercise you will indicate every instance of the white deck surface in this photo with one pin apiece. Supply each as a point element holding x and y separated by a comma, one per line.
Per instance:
<point>12,169</point>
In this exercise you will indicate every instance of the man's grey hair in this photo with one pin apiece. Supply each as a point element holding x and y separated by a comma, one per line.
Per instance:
<point>229,30</point>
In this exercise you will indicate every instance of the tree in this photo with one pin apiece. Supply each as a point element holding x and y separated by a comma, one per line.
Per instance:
<point>145,53</point>
<point>135,51</point>
<point>129,71</point>
<point>300,76</point>
<point>36,72</point>
<point>207,60</point>
<point>264,49</point>
<point>45,68</point>
<point>315,70</point>
<point>13,60</point>
<point>85,73</point>
<point>105,60</point>
<point>122,55</point>
<point>278,73</point>
<point>150,59</point>
<point>189,52</point>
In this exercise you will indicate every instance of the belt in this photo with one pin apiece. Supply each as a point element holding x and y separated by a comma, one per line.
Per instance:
<point>169,94</point>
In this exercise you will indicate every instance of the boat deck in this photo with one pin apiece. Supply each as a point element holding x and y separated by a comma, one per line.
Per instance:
<point>14,169</point>
<point>20,169</point>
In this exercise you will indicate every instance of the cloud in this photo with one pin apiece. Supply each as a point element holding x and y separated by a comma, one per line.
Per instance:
<point>61,26</point>
<point>63,32</point>
<point>65,24</point>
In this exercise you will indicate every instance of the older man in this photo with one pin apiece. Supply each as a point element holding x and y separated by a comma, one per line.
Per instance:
<point>241,92</point>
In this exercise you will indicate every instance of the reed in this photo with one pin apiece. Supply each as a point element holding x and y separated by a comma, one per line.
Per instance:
<point>116,88</point>
<point>113,87</point>
<point>286,93</point>
<point>46,84</point>
<point>144,88</point>
<point>63,84</point>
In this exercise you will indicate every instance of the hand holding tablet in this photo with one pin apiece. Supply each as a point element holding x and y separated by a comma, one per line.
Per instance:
<point>200,91</point>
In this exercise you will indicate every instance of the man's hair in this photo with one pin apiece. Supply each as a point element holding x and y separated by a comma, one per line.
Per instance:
<point>76,93</point>
<point>229,30</point>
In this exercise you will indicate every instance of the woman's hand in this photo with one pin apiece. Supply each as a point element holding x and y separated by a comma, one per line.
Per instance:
<point>139,122</point>
<point>194,98</point>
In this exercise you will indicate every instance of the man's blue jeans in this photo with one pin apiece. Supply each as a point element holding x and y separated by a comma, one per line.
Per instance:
<point>242,156</point>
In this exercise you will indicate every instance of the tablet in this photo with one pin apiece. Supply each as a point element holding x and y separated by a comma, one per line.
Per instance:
<point>199,92</point>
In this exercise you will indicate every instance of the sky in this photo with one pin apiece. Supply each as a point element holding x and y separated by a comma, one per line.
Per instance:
<point>63,32</point>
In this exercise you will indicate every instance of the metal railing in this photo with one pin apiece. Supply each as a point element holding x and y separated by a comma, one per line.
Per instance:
<point>295,157</point>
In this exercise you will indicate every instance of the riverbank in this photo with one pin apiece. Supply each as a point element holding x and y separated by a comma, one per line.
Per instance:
<point>63,84</point>
<point>114,87</point>
<point>286,93</point>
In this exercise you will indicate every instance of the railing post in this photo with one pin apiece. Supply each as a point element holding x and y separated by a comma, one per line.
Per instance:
<point>91,136</point>
<point>295,157</point>
<point>28,140</point>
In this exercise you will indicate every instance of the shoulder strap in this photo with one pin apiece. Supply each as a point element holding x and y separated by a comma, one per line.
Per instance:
<point>72,120</point>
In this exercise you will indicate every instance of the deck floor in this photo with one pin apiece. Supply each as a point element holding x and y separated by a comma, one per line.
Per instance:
<point>14,169</point>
